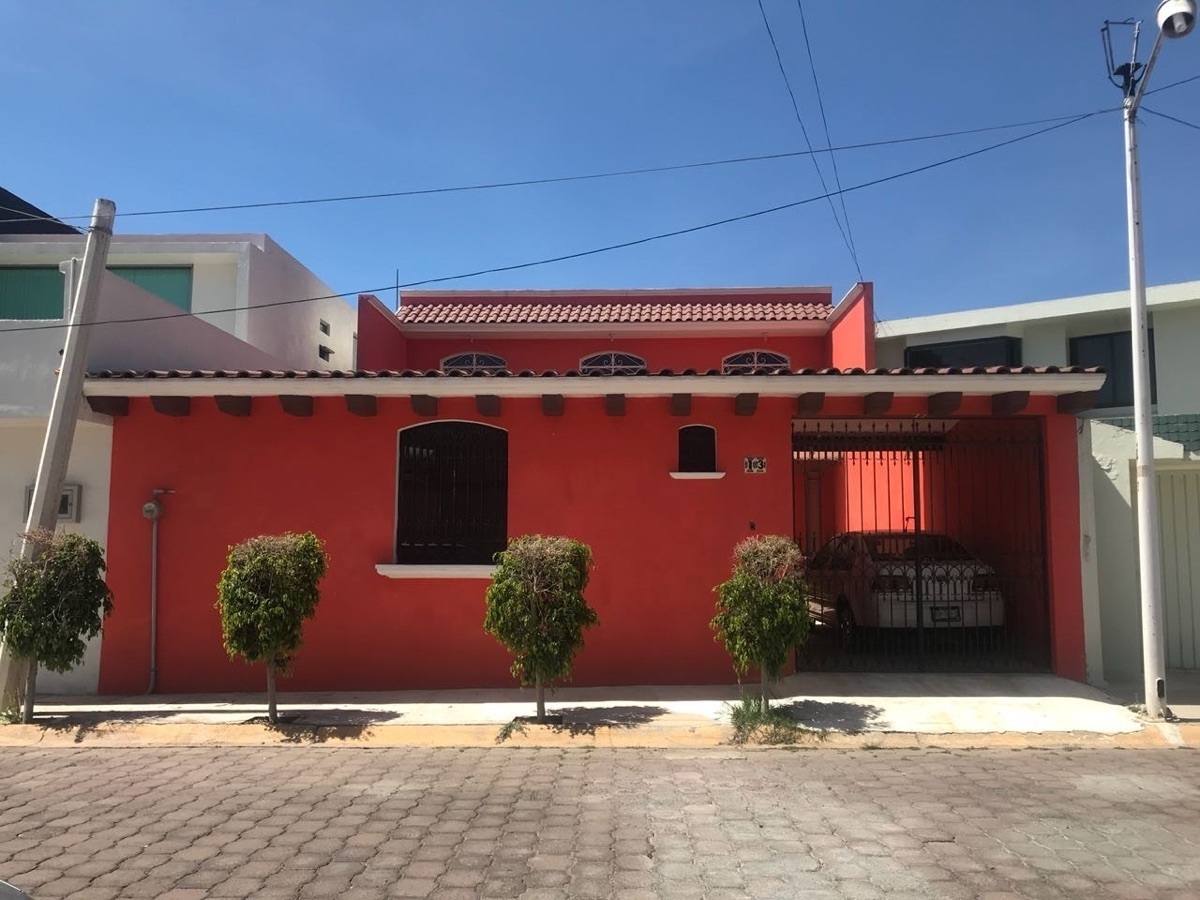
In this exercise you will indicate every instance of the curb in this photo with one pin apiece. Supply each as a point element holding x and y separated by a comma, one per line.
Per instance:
<point>698,737</point>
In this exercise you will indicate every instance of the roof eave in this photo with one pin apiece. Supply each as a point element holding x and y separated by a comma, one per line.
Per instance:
<point>778,385</point>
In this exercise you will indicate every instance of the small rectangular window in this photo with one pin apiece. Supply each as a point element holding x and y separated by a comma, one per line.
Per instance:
<point>697,449</point>
<point>326,353</point>
<point>324,327</point>
<point>993,351</point>
<point>1115,353</point>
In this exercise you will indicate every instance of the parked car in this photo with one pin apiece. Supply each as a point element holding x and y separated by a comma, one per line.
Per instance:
<point>867,579</point>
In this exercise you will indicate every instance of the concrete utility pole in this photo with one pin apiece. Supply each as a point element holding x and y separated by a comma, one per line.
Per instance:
<point>19,675</point>
<point>1176,19</point>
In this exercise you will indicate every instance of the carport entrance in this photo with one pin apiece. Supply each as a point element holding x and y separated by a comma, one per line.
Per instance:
<point>926,543</point>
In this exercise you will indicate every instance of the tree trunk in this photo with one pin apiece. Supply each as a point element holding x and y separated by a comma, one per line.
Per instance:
<point>541,698</point>
<point>272,712</point>
<point>762,676</point>
<point>30,691</point>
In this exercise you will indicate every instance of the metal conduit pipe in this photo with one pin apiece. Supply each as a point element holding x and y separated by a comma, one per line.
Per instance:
<point>153,510</point>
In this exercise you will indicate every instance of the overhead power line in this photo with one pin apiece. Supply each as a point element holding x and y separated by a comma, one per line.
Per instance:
<point>1173,84</point>
<point>620,173</point>
<point>837,177</point>
<point>787,82</point>
<point>604,249</point>
<point>1155,112</point>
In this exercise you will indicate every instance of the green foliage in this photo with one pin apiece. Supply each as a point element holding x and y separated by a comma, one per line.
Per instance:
<point>268,589</point>
<point>53,604</point>
<point>536,607</point>
<point>508,729</point>
<point>754,722</point>
<point>762,610</point>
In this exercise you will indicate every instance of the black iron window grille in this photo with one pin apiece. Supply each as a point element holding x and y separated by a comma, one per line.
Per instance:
<point>452,504</point>
<point>697,448</point>
<point>470,363</point>
<point>612,364</point>
<point>751,362</point>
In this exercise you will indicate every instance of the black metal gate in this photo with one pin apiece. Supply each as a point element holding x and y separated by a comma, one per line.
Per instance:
<point>925,542</point>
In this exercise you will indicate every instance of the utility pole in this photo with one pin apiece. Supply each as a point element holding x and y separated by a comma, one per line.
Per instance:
<point>1176,18</point>
<point>20,675</point>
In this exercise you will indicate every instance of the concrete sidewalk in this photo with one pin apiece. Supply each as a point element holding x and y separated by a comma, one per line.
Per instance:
<point>864,705</point>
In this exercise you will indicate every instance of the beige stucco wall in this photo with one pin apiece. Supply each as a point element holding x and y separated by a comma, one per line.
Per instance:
<point>1112,520</point>
<point>1176,345</point>
<point>20,448</point>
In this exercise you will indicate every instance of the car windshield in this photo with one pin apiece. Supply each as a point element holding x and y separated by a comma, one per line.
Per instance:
<point>906,546</point>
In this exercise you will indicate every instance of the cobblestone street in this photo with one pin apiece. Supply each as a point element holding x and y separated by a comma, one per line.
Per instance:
<point>308,822</point>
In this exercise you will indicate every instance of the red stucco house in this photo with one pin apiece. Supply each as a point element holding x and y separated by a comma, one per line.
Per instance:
<point>661,427</point>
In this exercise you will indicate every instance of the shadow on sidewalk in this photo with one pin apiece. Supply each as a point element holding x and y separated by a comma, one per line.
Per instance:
<point>342,718</point>
<point>585,720</point>
<point>832,715</point>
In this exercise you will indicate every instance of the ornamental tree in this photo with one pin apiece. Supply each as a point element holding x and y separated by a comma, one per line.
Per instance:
<point>268,589</point>
<point>536,608</point>
<point>762,610</point>
<point>54,601</point>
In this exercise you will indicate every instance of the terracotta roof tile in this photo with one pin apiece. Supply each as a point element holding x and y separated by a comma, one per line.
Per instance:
<point>419,313</point>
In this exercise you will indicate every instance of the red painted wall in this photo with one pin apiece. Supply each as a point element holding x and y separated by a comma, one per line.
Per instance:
<point>1063,544</point>
<point>851,340</point>
<point>563,355</point>
<point>380,343</point>
<point>660,544</point>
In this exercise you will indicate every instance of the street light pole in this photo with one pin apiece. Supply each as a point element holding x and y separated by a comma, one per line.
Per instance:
<point>1154,668</point>
<point>1176,18</point>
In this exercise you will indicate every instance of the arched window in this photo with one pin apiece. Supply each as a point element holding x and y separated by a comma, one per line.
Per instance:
<point>452,502</point>
<point>697,449</point>
<point>750,362</point>
<point>470,363</point>
<point>612,364</point>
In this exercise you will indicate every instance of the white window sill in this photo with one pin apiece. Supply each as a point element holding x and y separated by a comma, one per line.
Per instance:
<point>388,570</point>
<point>697,476</point>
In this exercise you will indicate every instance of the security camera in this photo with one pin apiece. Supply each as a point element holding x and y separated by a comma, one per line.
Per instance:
<point>1177,18</point>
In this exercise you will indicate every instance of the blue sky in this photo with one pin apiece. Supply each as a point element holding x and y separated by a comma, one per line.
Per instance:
<point>160,105</point>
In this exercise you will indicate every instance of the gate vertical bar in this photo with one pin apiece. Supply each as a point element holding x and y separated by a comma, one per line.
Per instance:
<point>918,585</point>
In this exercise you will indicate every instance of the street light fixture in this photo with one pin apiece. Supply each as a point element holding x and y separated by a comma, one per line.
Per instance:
<point>1176,18</point>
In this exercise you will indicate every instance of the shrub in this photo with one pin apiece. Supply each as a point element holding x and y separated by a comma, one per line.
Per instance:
<point>268,589</point>
<point>536,608</point>
<point>762,610</point>
<point>53,603</point>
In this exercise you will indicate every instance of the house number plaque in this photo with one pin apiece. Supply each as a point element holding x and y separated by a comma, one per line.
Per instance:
<point>755,465</point>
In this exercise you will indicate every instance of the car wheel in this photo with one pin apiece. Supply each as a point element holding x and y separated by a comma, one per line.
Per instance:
<point>847,630</point>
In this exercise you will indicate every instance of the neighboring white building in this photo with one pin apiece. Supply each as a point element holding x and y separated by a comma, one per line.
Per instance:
<point>244,284</point>
<point>1095,330</point>
<point>238,290</point>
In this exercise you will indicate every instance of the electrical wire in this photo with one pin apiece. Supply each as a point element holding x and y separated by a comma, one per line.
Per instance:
<point>1173,84</point>
<point>595,250</point>
<point>620,173</point>
<point>837,177</point>
<point>1155,112</point>
<point>787,82</point>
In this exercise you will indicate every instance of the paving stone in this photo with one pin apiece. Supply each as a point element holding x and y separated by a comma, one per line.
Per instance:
<point>309,822</point>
